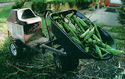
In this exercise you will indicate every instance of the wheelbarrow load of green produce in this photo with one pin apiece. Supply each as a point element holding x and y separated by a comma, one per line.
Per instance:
<point>80,37</point>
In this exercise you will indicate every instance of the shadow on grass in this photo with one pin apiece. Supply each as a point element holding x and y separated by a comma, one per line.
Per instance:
<point>4,55</point>
<point>10,65</point>
<point>43,65</point>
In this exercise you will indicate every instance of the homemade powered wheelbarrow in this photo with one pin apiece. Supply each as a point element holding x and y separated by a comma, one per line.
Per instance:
<point>25,30</point>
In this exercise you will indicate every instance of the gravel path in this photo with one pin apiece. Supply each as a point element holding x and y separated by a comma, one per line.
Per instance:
<point>6,4</point>
<point>108,18</point>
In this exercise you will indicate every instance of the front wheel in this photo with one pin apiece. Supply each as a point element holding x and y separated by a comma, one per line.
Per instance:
<point>16,48</point>
<point>64,63</point>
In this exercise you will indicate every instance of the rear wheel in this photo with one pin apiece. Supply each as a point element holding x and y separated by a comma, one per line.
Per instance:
<point>64,63</point>
<point>16,48</point>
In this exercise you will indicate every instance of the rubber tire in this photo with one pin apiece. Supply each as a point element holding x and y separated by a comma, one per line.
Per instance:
<point>16,48</point>
<point>64,64</point>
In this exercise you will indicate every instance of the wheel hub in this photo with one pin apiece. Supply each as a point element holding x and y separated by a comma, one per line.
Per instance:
<point>13,49</point>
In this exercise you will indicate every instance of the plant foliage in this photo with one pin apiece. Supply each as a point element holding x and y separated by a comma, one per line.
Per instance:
<point>18,4</point>
<point>83,3</point>
<point>121,12</point>
<point>42,4</point>
<point>39,5</point>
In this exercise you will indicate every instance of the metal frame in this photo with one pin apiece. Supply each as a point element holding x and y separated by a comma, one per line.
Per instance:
<point>16,31</point>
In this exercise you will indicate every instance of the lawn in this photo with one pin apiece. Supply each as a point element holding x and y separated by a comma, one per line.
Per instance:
<point>39,66</point>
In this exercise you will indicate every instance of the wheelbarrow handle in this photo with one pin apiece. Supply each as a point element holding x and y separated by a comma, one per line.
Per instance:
<point>45,13</point>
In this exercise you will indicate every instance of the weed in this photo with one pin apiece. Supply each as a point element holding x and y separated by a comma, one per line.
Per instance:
<point>91,9</point>
<point>120,45</point>
<point>118,29</point>
<point>101,25</point>
<point>84,13</point>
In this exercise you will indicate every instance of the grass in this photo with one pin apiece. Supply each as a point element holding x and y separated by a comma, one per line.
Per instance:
<point>4,11</point>
<point>3,29</point>
<point>120,34</point>
<point>12,68</point>
<point>4,40</point>
<point>91,9</point>
<point>117,29</point>
<point>44,25</point>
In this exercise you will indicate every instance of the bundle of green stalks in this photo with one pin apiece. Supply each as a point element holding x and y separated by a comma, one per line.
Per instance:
<point>85,34</point>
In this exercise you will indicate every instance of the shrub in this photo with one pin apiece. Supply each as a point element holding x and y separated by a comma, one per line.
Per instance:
<point>91,9</point>
<point>121,12</point>
<point>83,3</point>
<point>57,2</point>
<point>71,3</point>
<point>39,5</point>
<point>18,5</point>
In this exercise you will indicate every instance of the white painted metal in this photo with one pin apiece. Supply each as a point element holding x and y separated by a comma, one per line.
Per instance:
<point>13,49</point>
<point>16,30</point>
<point>30,20</point>
<point>115,2</point>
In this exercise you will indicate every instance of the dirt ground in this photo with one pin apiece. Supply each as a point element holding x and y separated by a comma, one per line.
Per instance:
<point>6,4</point>
<point>87,69</point>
